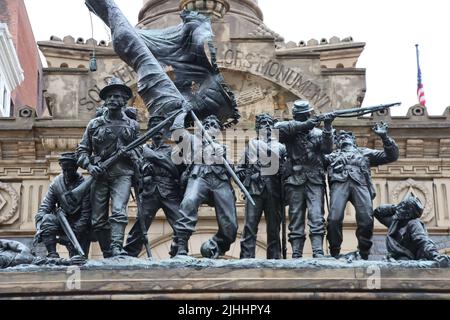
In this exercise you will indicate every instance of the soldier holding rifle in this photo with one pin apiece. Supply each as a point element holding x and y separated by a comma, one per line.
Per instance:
<point>50,229</point>
<point>304,175</point>
<point>160,189</point>
<point>104,136</point>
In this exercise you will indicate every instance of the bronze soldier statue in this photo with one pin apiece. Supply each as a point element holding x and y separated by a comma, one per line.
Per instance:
<point>259,171</point>
<point>49,228</point>
<point>349,178</point>
<point>105,135</point>
<point>160,184</point>
<point>304,175</point>
<point>407,237</point>
<point>207,182</point>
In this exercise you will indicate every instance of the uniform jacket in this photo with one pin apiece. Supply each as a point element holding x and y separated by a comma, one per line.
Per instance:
<point>305,152</point>
<point>159,171</point>
<point>198,155</point>
<point>251,171</point>
<point>102,138</point>
<point>355,164</point>
<point>53,199</point>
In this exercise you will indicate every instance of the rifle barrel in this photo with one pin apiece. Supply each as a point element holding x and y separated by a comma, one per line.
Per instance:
<point>225,162</point>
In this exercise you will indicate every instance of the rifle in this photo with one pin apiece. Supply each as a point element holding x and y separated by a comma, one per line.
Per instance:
<point>225,162</point>
<point>69,232</point>
<point>355,112</point>
<point>141,219</point>
<point>75,196</point>
<point>283,221</point>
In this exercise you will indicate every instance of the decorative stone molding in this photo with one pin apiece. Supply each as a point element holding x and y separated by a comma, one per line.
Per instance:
<point>420,191</point>
<point>57,144</point>
<point>217,8</point>
<point>8,212</point>
<point>414,148</point>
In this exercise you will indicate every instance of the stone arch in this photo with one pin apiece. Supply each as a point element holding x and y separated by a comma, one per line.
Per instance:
<point>281,84</point>
<point>160,247</point>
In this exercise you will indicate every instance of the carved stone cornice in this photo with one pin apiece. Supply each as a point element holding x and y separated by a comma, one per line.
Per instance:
<point>217,8</point>
<point>58,144</point>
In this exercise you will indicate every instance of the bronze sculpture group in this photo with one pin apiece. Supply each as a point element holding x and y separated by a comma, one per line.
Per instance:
<point>179,179</point>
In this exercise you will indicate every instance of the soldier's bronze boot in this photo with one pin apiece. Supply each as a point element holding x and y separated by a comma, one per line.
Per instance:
<point>117,236</point>
<point>104,240</point>
<point>182,246</point>
<point>317,245</point>
<point>297,248</point>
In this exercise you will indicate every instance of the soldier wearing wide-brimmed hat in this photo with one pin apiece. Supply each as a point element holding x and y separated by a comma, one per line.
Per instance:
<point>304,175</point>
<point>160,189</point>
<point>49,230</point>
<point>104,135</point>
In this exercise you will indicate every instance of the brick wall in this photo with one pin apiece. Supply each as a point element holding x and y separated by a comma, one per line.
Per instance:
<point>29,92</point>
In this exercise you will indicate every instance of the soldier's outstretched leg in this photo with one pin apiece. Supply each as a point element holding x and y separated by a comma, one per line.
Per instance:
<point>361,200</point>
<point>120,194</point>
<point>99,219</point>
<point>316,221</point>
<point>273,218</point>
<point>296,198</point>
<point>224,203</point>
<point>50,228</point>
<point>339,194</point>
<point>252,218</point>
<point>154,86</point>
<point>196,192</point>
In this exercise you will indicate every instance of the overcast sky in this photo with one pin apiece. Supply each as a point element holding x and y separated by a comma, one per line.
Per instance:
<point>389,28</point>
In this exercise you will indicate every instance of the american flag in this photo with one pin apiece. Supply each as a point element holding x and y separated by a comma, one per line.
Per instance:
<point>420,91</point>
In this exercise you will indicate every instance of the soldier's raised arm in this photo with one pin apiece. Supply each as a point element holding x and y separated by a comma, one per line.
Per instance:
<point>384,214</point>
<point>390,152</point>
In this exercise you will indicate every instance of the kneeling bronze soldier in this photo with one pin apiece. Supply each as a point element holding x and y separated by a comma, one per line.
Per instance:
<point>160,189</point>
<point>407,237</point>
<point>349,178</point>
<point>49,228</point>
<point>259,171</point>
